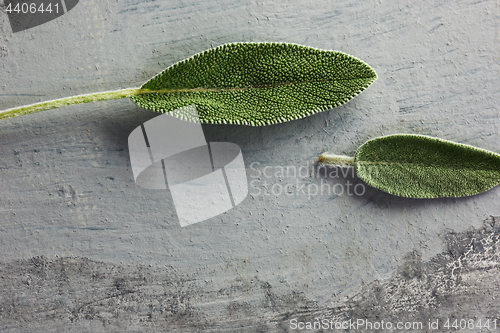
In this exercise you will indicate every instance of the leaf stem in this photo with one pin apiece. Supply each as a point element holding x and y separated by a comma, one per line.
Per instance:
<point>57,103</point>
<point>336,160</point>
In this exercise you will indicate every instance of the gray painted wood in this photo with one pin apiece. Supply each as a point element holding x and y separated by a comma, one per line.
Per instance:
<point>83,248</point>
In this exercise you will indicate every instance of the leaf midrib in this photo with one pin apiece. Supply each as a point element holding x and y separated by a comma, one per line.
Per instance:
<point>425,165</point>
<point>160,91</point>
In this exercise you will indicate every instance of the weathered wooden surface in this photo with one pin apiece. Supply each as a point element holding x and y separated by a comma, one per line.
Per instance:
<point>84,249</point>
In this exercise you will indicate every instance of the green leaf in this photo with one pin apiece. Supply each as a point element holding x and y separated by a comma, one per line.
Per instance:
<point>257,83</point>
<point>419,166</point>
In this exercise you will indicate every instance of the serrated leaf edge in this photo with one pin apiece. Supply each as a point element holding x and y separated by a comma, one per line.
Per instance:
<point>263,123</point>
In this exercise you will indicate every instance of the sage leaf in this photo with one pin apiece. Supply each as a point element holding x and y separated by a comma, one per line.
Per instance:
<point>241,83</point>
<point>418,166</point>
<point>257,83</point>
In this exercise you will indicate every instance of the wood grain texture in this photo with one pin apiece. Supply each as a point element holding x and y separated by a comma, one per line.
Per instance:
<point>67,193</point>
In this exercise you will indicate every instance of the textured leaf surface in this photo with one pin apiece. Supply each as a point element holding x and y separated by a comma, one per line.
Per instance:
<point>419,166</point>
<point>258,83</point>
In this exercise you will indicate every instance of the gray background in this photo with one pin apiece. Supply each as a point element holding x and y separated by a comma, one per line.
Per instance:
<point>83,248</point>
